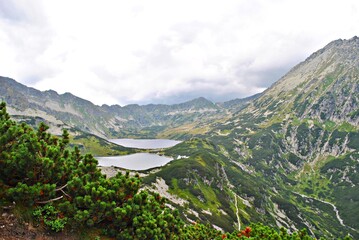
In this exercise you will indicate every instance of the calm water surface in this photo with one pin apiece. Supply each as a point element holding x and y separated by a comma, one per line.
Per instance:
<point>137,161</point>
<point>145,143</point>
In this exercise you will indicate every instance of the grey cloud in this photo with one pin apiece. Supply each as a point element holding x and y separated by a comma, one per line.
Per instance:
<point>27,33</point>
<point>32,79</point>
<point>263,78</point>
<point>209,93</point>
<point>182,34</point>
<point>21,11</point>
<point>220,57</point>
<point>268,77</point>
<point>10,11</point>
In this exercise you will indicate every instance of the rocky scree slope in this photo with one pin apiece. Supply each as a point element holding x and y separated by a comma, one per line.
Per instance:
<point>291,157</point>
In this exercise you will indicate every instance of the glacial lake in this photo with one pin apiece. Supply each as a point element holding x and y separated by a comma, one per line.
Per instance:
<point>137,161</point>
<point>145,143</point>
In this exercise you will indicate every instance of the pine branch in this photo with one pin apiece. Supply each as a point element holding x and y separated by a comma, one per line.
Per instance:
<point>60,188</point>
<point>65,193</point>
<point>51,200</point>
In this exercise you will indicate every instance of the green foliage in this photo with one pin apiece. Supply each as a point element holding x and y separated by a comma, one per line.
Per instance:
<point>51,217</point>
<point>344,182</point>
<point>36,168</point>
<point>254,231</point>
<point>197,231</point>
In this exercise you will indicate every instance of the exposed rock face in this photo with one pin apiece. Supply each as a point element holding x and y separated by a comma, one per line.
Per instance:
<point>325,86</point>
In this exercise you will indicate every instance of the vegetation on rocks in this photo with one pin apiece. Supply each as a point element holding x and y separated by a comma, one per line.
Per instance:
<point>65,189</point>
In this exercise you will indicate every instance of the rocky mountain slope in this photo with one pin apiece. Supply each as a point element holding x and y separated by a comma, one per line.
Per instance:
<point>324,86</point>
<point>288,159</point>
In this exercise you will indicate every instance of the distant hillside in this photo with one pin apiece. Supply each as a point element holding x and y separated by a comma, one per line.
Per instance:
<point>68,111</point>
<point>239,103</point>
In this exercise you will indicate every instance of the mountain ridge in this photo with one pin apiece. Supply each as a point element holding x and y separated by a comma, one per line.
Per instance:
<point>67,110</point>
<point>311,87</point>
<point>329,46</point>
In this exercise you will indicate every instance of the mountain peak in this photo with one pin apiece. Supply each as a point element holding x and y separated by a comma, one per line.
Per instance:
<point>337,54</point>
<point>353,40</point>
<point>324,86</point>
<point>198,103</point>
<point>343,48</point>
<point>200,100</point>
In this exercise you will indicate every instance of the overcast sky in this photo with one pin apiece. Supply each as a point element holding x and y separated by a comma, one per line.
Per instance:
<point>164,51</point>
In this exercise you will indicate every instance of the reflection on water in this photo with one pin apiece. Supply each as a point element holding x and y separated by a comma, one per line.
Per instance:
<point>137,161</point>
<point>145,143</point>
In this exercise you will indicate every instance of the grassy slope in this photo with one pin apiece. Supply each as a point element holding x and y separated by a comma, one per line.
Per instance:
<point>268,180</point>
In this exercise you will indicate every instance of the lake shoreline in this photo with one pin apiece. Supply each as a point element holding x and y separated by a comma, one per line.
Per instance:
<point>148,144</point>
<point>139,161</point>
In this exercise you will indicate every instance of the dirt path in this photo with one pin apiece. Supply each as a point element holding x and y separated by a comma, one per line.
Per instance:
<point>237,211</point>
<point>334,208</point>
<point>230,186</point>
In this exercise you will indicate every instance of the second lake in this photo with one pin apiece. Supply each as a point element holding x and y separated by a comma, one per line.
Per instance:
<point>137,161</point>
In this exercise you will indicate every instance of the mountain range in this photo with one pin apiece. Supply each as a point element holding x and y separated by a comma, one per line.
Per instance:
<point>68,111</point>
<point>287,157</point>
